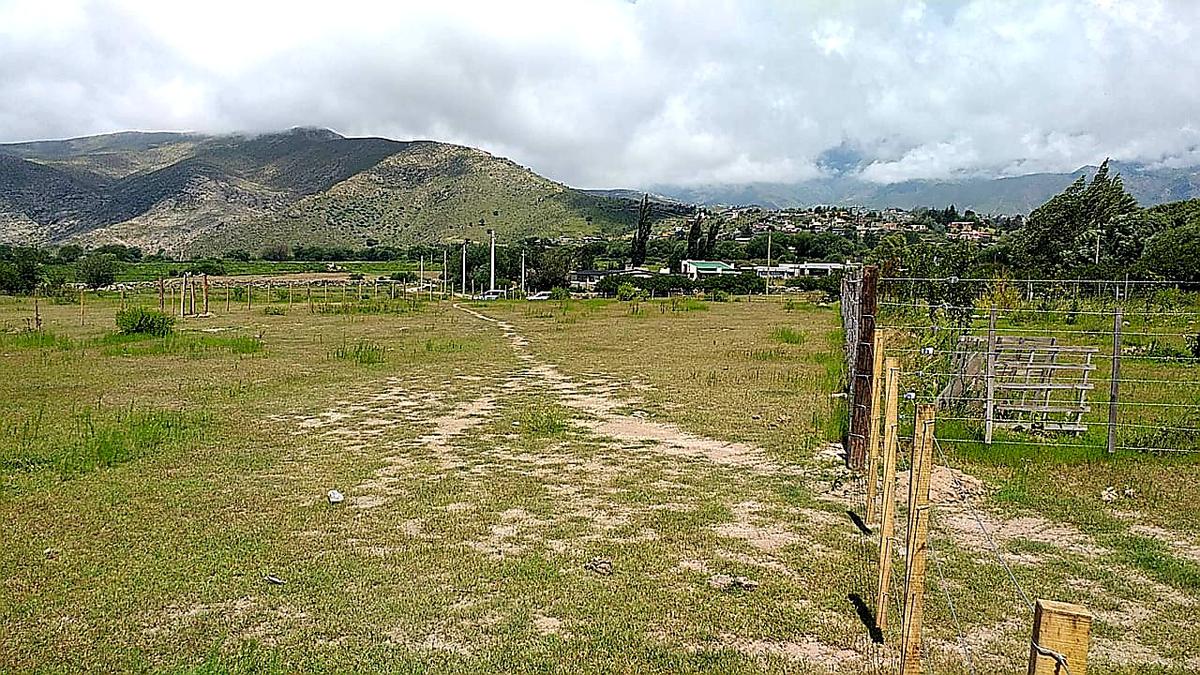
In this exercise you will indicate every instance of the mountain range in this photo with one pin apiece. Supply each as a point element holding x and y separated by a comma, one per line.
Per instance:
<point>1010,195</point>
<point>196,194</point>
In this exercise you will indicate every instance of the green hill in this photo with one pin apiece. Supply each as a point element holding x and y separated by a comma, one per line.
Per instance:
<point>193,194</point>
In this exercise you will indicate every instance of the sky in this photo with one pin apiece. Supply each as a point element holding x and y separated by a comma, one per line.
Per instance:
<point>612,93</point>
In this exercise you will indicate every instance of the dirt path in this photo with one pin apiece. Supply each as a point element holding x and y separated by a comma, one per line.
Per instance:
<point>597,400</point>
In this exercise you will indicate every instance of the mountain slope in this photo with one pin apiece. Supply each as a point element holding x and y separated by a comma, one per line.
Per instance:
<point>1018,194</point>
<point>186,193</point>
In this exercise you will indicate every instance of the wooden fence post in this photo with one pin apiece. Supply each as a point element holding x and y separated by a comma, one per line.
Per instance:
<point>308,291</point>
<point>860,412</point>
<point>161,296</point>
<point>989,413</point>
<point>81,307</point>
<point>228,292</point>
<point>206,294</point>
<point>1060,630</point>
<point>891,425</point>
<point>918,544</point>
<point>289,295</point>
<point>183,284</point>
<point>874,437</point>
<point>192,299</point>
<point>1114,385</point>
<point>249,294</point>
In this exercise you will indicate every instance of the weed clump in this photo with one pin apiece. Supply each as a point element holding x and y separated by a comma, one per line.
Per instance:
<point>787,335</point>
<point>142,321</point>
<point>362,352</point>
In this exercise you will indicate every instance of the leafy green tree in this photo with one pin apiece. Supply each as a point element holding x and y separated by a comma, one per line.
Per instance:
<point>694,250</point>
<point>637,252</point>
<point>1086,226</point>
<point>70,253</point>
<point>20,270</point>
<point>98,270</point>
<point>1174,254</point>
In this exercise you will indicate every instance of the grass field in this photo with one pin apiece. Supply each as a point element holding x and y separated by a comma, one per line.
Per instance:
<point>496,459</point>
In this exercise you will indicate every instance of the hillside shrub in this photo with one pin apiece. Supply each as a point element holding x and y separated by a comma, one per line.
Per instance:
<point>142,321</point>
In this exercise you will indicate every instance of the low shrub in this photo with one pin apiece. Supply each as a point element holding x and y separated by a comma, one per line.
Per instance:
<point>274,310</point>
<point>142,321</point>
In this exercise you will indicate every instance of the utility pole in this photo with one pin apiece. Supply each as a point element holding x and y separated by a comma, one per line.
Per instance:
<point>769,231</point>
<point>492,268</point>
<point>522,272</point>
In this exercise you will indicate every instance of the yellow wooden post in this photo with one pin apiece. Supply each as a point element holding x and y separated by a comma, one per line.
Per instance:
<point>891,426</point>
<point>1059,629</point>
<point>918,544</point>
<point>874,437</point>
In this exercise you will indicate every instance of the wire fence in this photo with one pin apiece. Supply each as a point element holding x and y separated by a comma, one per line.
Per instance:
<point>1076,369</point>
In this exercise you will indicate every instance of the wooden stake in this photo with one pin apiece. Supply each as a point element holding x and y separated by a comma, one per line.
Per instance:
<point>81,307</point>
<point>1061,628</point>
<point>249,294</point>
<point>206,294</point>
<point>874,437</point>
<point>891,425</point>
<point>228,292</point>
<point>289,294</point>
<point>182,294</point>
<point>37,312</point>
<point>192,299</point>
<point>918,540</point>
<point>161,296</point>
<point>308,291</point>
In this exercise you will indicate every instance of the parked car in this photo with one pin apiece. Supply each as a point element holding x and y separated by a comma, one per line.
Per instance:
<point>490,295</point>
<point>540,295</point>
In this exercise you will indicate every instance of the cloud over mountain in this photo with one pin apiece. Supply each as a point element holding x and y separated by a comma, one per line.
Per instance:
<point>612,93</point>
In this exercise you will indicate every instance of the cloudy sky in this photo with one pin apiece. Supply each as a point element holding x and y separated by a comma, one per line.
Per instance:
<point>609,93</point>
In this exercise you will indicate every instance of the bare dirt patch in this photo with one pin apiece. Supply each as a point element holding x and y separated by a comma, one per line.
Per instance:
<point>762,534</point>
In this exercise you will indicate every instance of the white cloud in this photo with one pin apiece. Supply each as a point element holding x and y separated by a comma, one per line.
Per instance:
<point>613,93</point>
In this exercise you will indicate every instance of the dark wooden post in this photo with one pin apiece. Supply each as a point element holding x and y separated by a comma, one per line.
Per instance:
<point>860,413</point>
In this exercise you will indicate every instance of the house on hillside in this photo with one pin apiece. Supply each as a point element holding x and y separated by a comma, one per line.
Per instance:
<point>699,269</point>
